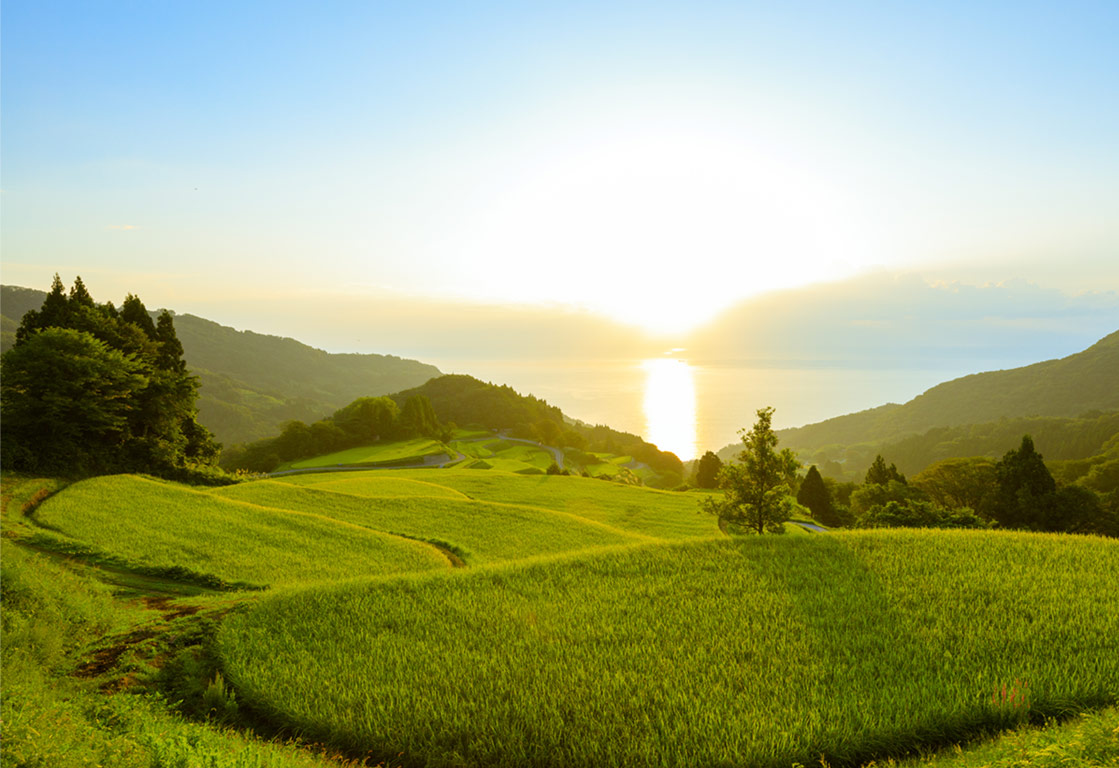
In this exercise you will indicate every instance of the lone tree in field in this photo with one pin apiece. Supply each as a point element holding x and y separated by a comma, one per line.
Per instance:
<point>757,488</point>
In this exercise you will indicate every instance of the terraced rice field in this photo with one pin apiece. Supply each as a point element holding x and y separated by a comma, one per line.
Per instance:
<point>157,524</point>
<point>757,652</point>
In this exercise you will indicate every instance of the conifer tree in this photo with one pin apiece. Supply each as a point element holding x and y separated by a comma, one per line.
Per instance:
<point>815,495</point>
<point>707,471</point>
<point>880,474</point>
<point>170,348</point>
<point>1025,488</point>
<point>133,311</point>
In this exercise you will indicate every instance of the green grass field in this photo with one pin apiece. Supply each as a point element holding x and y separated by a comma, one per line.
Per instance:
<point>478,531</point>
<point>750,652</point>
<point>163,525</point>
<point>373,454</point>
<point>595,623</point>
<point>645,511</point>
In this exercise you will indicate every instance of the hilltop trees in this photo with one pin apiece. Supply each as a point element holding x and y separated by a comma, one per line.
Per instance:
<point>756,489</point>
<point>88,390</point>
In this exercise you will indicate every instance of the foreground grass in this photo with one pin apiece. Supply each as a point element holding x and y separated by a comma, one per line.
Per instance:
<point>757,652</point>
<point>53,615</point>
<point>164,525</point>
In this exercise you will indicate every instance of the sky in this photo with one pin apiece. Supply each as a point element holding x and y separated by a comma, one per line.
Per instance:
<point>651,164</point>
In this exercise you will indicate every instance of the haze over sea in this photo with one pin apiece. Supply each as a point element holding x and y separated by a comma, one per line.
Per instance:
<point>690,407</point>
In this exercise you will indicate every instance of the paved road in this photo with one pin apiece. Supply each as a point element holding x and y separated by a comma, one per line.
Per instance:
<point>809,526</point>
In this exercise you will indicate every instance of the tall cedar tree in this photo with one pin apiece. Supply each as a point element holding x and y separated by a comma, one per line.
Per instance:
<point>1025,488</point>
<point>815,495</point>
<point>707,471</point>
<point>86,390</point>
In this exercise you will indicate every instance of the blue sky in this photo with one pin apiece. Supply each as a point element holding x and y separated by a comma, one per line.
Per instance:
<point>653,162</point>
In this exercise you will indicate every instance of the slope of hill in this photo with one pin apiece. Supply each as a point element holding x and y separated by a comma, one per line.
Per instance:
<point>574,627</point>
<point>1068,387</point>
<point>251,382</point>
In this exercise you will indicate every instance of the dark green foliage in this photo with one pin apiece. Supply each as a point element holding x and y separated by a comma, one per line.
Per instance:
<point>870,495</point>
<point>814,494</point>
<point>470,402</point>
<point>368,419</point>
<point>756,490</point>
<point>250,383</point>
<point>473,403</point>
<point>707,470</point>
<point>417,417</point>
<point>914,513</point>
<point>880,474</point>
<point>956,483</point>
<point>88,391</point>
<point>133,311</point>
<point>1024,489</point>
<point>52,424</point>
<point>1028,498</point>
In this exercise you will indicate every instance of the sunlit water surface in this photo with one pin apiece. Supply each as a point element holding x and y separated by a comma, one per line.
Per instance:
<point>689,408</point>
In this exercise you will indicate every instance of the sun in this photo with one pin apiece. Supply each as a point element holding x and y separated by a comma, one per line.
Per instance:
<point>662,229</point>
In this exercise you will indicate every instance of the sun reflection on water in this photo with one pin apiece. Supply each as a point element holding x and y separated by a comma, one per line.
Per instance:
<point>670,413</point>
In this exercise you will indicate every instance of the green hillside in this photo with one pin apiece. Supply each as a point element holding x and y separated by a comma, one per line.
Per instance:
<point>1056,389</point>
<point>252,383</point>
<point>1058,439</point>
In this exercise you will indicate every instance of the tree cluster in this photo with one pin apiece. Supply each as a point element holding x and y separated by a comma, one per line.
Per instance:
<point>364,421</point>
<point>90,389</point>
<point>1018,492</point>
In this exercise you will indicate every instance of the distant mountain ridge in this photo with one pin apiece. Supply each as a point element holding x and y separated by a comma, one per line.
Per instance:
<point>252,382</point>
<point>1081,383</point>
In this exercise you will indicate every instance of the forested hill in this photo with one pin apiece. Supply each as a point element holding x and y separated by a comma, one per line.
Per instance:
<point>252,383</point>
<point>1068,387</point>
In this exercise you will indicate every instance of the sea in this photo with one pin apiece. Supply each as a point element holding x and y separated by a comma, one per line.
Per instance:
<point>689,407</point>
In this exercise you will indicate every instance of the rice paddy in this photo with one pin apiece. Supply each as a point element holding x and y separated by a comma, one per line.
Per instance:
<point>754,652</point>
<point>595,623</point>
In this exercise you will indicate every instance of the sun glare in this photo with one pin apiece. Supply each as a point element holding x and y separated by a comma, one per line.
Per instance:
<point>670,407</point>
<point>660,228</point>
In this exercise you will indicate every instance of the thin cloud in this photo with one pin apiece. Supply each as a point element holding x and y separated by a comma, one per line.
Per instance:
<point>122,226</point>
